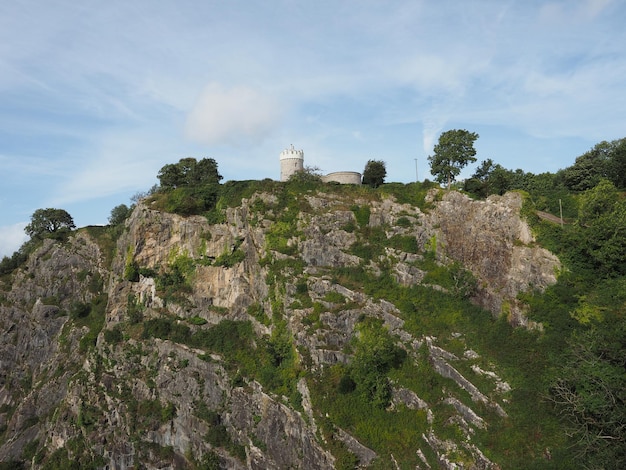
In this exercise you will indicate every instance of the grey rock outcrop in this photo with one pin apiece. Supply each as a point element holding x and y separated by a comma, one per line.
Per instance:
<point>490,239</point>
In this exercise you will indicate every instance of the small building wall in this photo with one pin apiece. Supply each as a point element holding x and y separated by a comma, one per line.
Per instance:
<point>343,177</point>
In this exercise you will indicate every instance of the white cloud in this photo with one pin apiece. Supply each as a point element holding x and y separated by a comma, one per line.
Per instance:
<point>232,115</point>
<point>11,238</point>
<point>431,131</point>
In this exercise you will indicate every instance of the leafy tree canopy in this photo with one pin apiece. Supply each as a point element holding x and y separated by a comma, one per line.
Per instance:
<point>189,172</point>
<point>606,160</point>
<point>309,175</point>
<point>490,178</point>
<point>119,214</point>
<point>597,201</point>
<point>8,264</point>
<point>602,230</point>
<point>453,152</point>
<point>45,222</point>
<point>484,170</point>
<point>374,173</point>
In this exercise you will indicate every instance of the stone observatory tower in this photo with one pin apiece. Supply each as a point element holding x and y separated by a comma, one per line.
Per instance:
<point>291,161</point>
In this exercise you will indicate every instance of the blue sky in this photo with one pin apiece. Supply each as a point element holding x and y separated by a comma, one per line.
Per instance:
<point>95,97</point>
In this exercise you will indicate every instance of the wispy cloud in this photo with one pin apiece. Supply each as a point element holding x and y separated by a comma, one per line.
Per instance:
<point>235,115</point>
<point>11,238</point>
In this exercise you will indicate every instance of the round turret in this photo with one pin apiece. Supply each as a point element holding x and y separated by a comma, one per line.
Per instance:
<point>291,161</point>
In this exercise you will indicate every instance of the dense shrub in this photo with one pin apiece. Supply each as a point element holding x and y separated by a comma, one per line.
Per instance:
<point>114,335</point>
<point>375,354</point>
<point>166,328</point>
<point>79,310</point>
<point>9,264</point>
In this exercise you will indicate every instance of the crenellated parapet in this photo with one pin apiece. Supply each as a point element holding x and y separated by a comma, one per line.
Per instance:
<point>292,152</point>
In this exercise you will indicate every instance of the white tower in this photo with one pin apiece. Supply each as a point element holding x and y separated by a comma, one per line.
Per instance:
<point>291,161</point>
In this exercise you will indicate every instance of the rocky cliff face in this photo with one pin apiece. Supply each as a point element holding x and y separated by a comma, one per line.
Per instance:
<point>491,240</point>
<point>123,364</point>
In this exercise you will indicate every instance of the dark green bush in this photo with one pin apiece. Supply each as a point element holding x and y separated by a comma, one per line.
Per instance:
<point>166,328</point>
<point>9,264</point>
<point>193,199</point>
<point>113,336</point>
<point>334,297</point>
<point>79,310</point>
<point>375,354</point>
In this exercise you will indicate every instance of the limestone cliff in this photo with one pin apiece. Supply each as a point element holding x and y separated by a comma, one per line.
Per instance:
<point>117,364</point>
<point>491,240</point>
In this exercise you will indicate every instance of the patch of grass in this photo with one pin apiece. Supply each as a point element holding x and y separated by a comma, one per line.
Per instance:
<point>403,222</point>
<point>334,297</point>
<point>229,260</point>
<point>257,311</point>
<point>198,321</point>
<point>396,432</point>
<point>361,214</point>
<point>411,193</point>
<point>408,244</point>
<point>94,320</point>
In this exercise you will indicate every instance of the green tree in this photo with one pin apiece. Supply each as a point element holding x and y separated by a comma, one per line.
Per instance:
<point>606,241</point>
<point>170,176</point>
<point>119,214</point>
<point>606,160</point>
<point>47,222</point>
<point>617,163</point>
<point>484,170</point>
<point>589,168</point>
<point>9,264</point>
<point>490,178</point>
<point>309,176</point>
<point>189,172</point>
<point>500,180</point>
<point>374,173</point>
<point>453,152</point>
<point>598,241</point>
<point>597,201</point>
<point>204,172</point>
